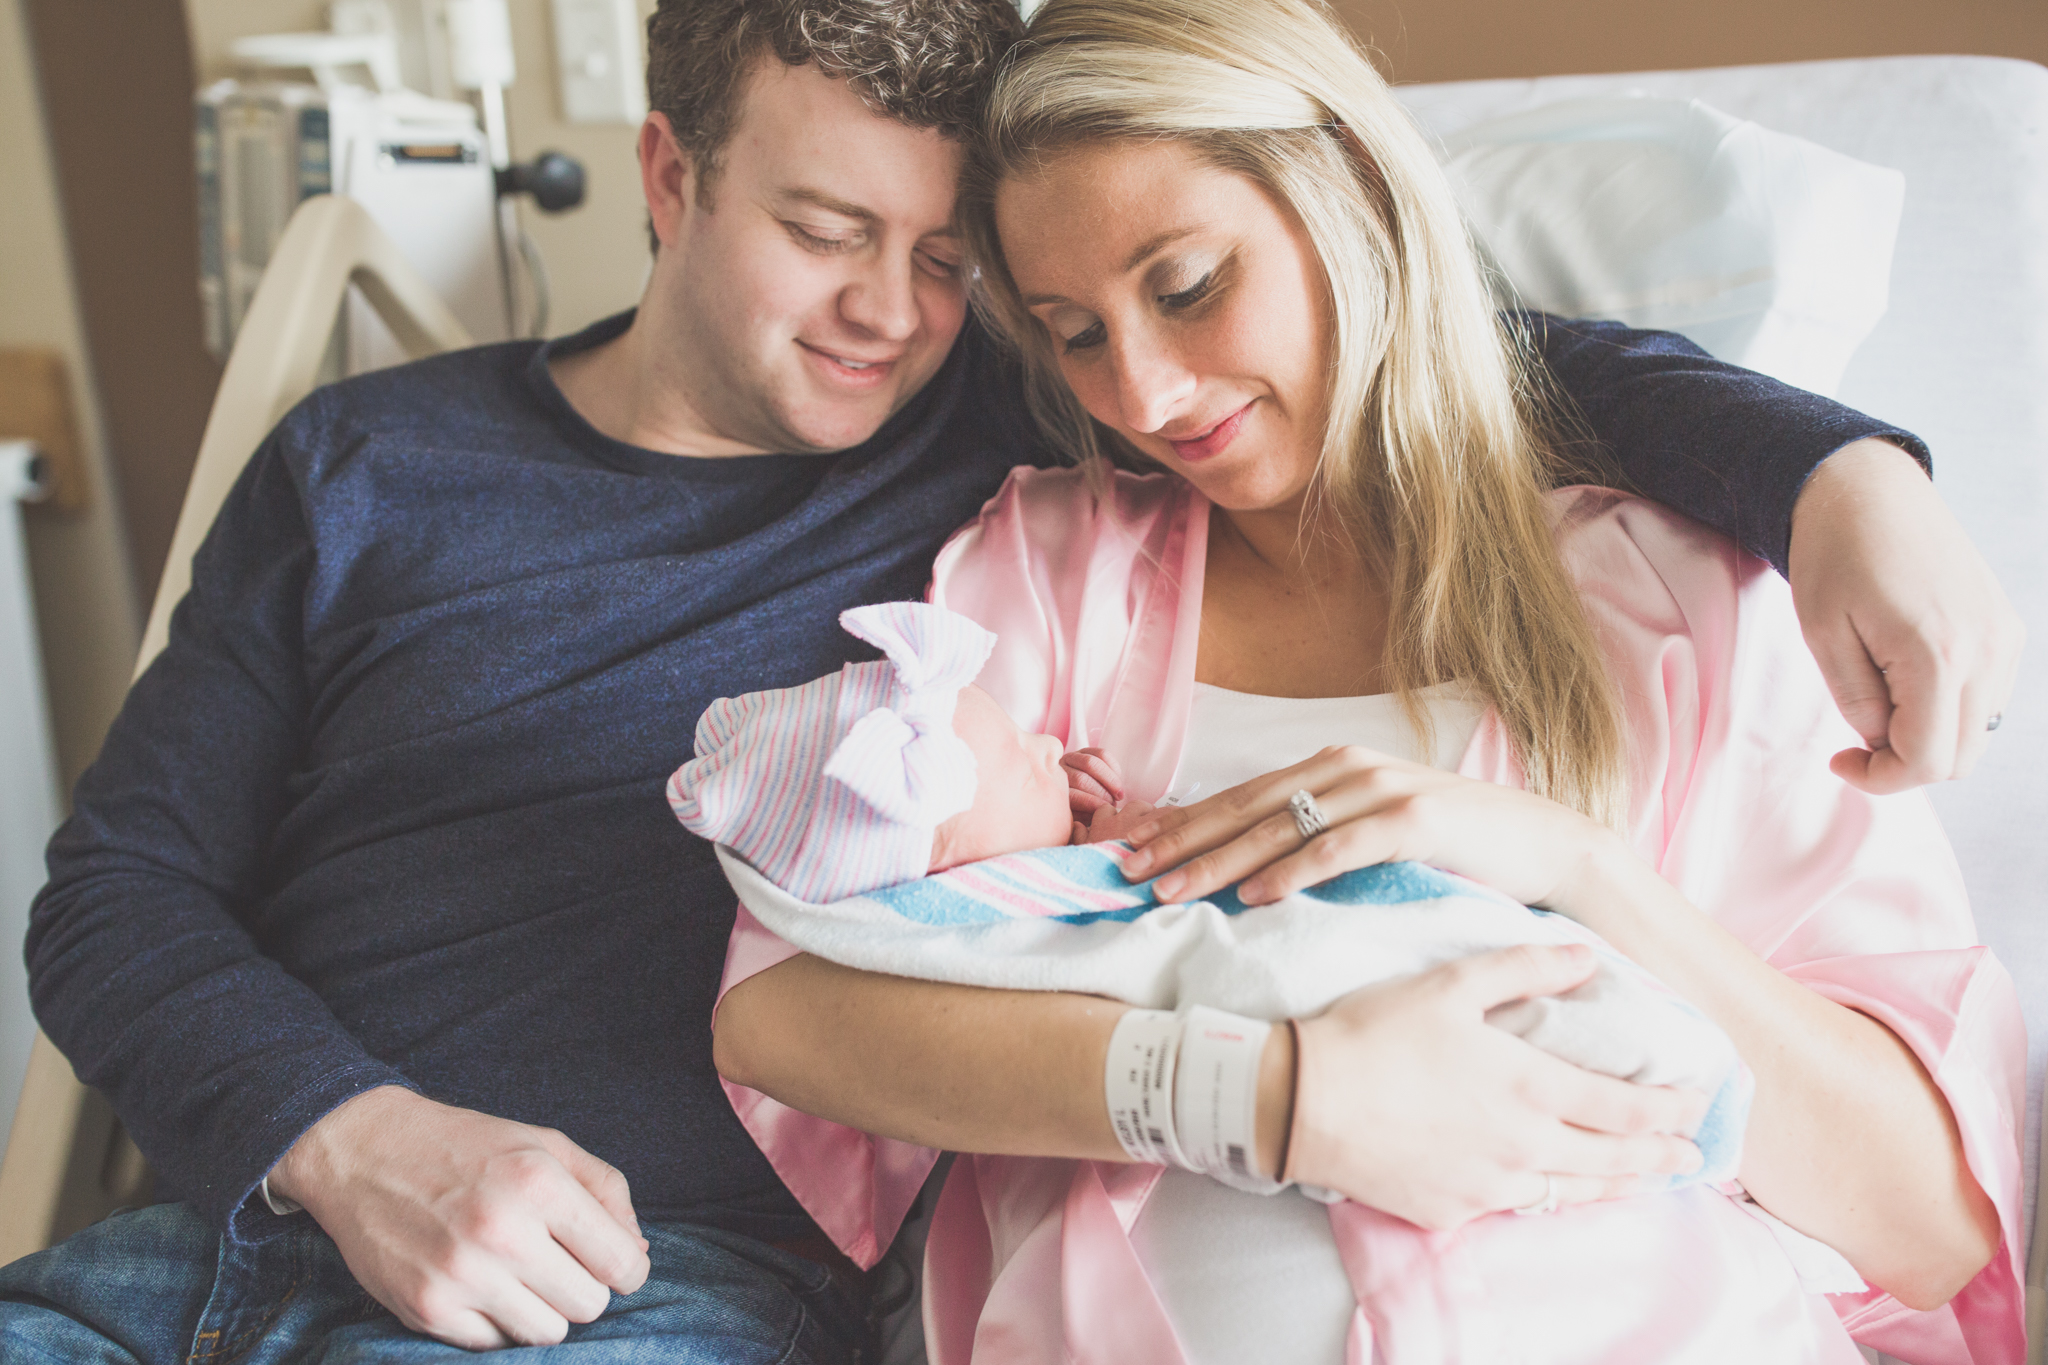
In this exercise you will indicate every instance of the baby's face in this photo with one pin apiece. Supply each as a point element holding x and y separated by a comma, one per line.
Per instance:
<point>1020,793</point>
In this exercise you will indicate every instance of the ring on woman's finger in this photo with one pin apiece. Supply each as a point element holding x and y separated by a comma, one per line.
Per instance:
<point>1547,1203</point>
<point>1309,817</point>
<point>1996,719</point>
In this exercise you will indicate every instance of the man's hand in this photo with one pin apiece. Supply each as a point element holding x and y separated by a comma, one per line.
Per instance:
<point>1915,637</point>
<point>475,1230</point>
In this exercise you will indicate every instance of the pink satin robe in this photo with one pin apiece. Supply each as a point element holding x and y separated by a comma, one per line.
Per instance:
<point>1097,612</point>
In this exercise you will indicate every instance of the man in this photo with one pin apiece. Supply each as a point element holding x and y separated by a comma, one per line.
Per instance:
<point>372,904</point>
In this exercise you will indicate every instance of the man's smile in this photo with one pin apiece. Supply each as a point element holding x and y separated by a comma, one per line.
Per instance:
<point>850,370</point>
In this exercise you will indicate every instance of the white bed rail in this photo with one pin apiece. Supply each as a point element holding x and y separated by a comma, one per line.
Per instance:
<point>330,244</point>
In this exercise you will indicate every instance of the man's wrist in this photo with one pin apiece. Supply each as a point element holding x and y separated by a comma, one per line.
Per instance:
<point>309,1161</point>
<point>1858,471</point>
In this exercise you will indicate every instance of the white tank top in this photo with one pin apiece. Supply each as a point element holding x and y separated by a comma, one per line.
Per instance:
<point>1245,1277</point>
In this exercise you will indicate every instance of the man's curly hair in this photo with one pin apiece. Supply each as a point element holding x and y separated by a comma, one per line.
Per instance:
<point>927,63</point>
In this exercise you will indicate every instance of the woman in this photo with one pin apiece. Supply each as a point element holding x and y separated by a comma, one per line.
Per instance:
<point>1226,255</point>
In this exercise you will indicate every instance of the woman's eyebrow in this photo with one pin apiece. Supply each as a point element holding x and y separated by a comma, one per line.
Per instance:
<point>1145,250</point>
<point>1153,245</point>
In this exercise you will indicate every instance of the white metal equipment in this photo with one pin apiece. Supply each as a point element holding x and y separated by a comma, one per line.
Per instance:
<point>421,167</point>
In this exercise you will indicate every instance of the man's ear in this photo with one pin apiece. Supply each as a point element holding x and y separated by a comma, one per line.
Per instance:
<point>667,178</point>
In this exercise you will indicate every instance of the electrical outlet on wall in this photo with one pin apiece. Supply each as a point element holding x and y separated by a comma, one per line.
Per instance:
<point>597,54</point>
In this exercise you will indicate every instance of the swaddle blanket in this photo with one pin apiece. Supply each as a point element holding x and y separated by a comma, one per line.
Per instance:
<point>1064,919</point>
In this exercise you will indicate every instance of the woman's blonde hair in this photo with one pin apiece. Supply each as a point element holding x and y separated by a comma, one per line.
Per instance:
<point>1436,453</point>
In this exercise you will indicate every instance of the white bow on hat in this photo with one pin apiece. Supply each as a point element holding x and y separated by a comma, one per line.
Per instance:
<point>903,757</point>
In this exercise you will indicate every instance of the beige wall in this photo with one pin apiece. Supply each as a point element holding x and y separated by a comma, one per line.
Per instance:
<point>84,603</point>
<point>597,255</point>
<point>1442,40</point>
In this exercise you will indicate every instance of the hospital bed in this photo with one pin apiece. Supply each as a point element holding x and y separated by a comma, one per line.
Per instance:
<point>1960,356</point>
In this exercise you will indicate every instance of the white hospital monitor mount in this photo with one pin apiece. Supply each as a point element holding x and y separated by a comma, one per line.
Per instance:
<point>468,52</point>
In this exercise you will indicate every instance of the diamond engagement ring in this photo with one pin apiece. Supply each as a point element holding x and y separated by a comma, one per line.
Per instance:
<point>1546,1204</point>
<point>1309,818</point>
<point>1997,719</point>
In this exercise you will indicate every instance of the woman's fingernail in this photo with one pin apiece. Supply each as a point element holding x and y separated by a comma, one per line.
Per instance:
<point>1143,834</point>
<point>1166,888</point>
<point>1252,892</point>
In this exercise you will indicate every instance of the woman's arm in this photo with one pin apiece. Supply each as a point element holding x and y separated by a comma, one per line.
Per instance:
<point>954,1067</point>
<point>1021,1072</point>
<point>1849,1140</point>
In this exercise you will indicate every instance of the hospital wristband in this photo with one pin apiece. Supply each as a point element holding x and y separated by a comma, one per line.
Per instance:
<point>1137,1082</point>
<point>1182,1090</point>
<point>1216,1096</point>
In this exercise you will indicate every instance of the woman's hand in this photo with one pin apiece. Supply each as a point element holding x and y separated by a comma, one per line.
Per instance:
<point>1916,639</point>
<point>1380,810</point>
<point>1375,1120</point>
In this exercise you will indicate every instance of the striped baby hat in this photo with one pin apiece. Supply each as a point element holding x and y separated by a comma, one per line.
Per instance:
<point>835,787</point>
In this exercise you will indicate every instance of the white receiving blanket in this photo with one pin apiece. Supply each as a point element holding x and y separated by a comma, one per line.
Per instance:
<point>1064,919</point>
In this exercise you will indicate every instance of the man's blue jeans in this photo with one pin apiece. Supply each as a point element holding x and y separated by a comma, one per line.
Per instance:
<point>159,1285</point>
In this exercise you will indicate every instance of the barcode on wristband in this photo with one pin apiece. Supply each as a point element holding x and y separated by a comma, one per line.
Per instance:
<point>1215,1094</point>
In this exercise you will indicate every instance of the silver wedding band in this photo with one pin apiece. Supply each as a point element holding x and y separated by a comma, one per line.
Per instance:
<point>1309,817</point>
<point>1997,719</point>
<point>1547,1204</point>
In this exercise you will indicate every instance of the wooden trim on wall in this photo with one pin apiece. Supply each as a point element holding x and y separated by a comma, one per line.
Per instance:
<point>36,405</point>
<point>116,84</point>
<point>1458,40</point>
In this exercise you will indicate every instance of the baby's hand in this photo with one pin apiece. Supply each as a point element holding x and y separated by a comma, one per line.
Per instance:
<point>1113,822</point>
<point>1093,783</point>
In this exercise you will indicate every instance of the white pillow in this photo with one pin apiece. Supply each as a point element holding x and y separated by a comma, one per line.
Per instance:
<point>1763,248</point>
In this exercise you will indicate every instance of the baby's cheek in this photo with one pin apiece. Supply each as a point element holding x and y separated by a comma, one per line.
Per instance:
<point>1051,815</point>
<point>953,842</point>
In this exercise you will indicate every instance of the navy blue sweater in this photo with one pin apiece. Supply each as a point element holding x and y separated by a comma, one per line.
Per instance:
<point>388,809</point>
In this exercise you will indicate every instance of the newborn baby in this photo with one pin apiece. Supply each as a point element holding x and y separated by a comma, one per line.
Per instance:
<point>877,774</point>
<point>891,817</point>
